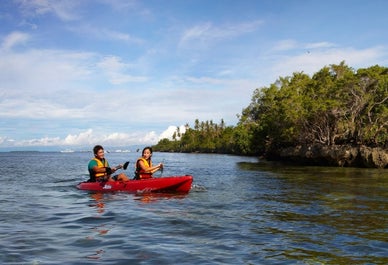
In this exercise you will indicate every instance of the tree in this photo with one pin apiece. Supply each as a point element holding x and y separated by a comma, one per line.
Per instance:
<point>337,105</point>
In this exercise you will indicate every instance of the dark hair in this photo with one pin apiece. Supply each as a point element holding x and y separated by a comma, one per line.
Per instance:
<point>145,148</point>
<point>97,148</point>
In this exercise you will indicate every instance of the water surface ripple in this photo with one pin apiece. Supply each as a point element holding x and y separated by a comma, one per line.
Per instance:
<point>240,211</point>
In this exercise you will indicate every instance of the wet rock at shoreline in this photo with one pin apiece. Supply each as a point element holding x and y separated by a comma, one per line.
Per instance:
<point>339,155</point>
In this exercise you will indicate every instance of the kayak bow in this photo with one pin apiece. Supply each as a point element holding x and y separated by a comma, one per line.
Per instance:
<point>165,184</point>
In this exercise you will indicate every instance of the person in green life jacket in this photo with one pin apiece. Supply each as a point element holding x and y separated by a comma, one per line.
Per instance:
<point>144,168</point>
<point>99,169</point>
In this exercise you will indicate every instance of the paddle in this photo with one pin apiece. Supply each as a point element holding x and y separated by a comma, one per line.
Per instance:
<point>109,171</point>
<point>161,169</point>
<point>125,166</point>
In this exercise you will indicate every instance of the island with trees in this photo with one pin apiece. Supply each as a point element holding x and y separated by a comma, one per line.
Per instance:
<point>336,117</point>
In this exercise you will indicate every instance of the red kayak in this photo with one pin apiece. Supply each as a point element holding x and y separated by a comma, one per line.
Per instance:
<point>165,184</point>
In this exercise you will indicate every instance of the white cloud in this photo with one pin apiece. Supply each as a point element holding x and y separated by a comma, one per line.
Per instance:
<point>13,39</point>
<point>170,132</point>
<point>285,45</point>
<point>105,34</point>
<point>290,44</point>
<point>324,54</point>
<point>43,71</point>
<point>207,33</point>
<point>83,138</point>
<point>120,5</point>
<point>4,140</point>
<point>45,141</point>
<point>115,35</point>
<point>89,137</point>
<point>63,9</point>
<point>319,45</point>
<point>116,71</point>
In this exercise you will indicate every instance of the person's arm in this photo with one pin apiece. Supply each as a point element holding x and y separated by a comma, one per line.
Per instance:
<point>156,168</point>
<point>97,169</point>
<point>108,170</point>
<point>150,169</point>
<point>114,169</point>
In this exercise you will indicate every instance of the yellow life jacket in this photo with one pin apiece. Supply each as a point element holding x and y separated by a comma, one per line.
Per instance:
<point>100,164</point>
<point>141,173</point>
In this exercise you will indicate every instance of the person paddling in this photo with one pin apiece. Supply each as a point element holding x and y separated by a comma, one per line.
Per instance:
<point>99,169</point>
<point>143,167</point>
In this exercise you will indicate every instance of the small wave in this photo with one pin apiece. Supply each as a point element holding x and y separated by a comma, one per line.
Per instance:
<point>198,188</point>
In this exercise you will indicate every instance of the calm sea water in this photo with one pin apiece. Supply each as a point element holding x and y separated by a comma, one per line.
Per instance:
<point>240,211</point>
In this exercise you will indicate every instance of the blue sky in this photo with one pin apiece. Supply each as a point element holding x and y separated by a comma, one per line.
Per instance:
<point>126,72</point>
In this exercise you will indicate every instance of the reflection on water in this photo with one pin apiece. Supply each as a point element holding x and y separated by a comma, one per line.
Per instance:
<point>101,229</point>
<point>149,197</point>
<point>334,215</point>
<point>98,201</point>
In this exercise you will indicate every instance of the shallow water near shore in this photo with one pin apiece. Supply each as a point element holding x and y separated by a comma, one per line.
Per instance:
<point>240,211</point>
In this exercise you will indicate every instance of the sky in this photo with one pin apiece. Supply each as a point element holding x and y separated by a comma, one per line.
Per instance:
<point>128,72</point>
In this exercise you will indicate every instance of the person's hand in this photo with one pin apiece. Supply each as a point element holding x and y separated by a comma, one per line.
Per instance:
<point>161,166</point>
<point>117,168</point>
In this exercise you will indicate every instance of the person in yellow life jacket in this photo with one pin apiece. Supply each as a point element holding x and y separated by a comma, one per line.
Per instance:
<point>144,168</point>
<point>99,169</point>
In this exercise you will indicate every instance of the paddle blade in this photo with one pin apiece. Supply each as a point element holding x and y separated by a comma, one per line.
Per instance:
<point>125,166</point>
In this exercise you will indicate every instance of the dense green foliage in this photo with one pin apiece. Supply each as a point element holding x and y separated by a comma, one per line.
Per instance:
<point>337,105</point>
